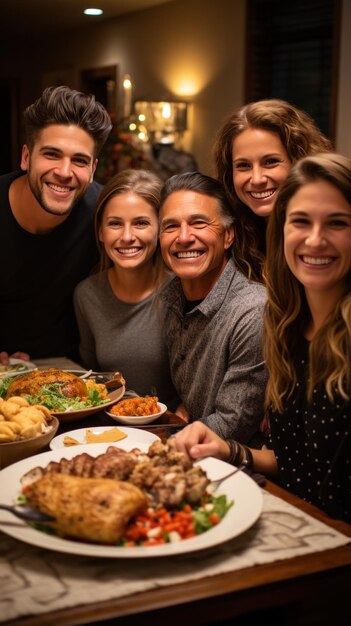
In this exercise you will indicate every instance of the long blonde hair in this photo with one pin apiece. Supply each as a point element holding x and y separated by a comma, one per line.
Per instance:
<point>148,186</point>
<point>300,137</point>
<point>287,313</point>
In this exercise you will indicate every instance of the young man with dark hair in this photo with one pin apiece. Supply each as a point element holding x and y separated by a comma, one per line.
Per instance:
<point>46,239</point>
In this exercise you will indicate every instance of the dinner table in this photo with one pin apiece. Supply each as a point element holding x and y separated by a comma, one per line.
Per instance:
<point>292,567</point>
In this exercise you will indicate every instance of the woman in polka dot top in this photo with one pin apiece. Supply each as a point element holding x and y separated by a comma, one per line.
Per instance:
<point>307,341</point>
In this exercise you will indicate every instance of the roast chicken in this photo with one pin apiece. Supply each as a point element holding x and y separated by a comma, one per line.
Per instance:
<point>92,509</point>
<point>94,498</point>
<point>31,383</point>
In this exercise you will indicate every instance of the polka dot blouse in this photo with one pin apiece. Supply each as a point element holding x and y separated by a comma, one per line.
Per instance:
<point>312,444</point>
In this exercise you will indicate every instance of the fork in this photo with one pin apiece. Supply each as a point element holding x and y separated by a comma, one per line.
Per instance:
<point>214,484</point>
<point>26,513</point>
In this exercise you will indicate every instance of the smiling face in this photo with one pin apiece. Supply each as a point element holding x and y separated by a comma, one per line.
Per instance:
<point>129,231</point>
<point>260,166</point>
<point>317,239</point>
<point>194,242</point>
<point>60,167</point>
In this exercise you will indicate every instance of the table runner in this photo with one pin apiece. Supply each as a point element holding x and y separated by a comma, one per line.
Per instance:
<point>35,581</point>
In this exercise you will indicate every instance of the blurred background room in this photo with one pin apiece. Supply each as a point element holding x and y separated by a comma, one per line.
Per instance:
<point>169,71</point>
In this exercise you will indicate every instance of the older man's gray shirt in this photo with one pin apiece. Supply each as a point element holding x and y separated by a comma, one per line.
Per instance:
<point>216,354</point>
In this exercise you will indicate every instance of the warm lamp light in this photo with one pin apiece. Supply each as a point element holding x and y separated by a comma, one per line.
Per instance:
<point>166,111</point>
<point>127,96</point>
<point>162,119</point>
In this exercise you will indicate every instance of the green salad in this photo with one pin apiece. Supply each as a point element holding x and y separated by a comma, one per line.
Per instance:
<point>4,385</point>
<point>51,396</point>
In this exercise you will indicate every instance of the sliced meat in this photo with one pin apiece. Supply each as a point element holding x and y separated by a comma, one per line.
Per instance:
<point>117,466</point>
<point>168,478</point>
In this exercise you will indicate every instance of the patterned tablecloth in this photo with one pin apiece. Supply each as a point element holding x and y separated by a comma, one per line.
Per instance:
<point>35,581</point>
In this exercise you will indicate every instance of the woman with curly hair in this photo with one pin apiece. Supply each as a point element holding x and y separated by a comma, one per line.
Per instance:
<point>307,341</point>
<point>254,151</point>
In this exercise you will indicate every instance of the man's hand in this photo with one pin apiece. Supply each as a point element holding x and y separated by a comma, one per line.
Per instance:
<point>182,412</point>
<point>199,441</point>
<point>5,357</point>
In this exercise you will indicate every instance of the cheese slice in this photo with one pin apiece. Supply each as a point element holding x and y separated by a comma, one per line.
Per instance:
<point>70,441</point>
<point>107,436</point>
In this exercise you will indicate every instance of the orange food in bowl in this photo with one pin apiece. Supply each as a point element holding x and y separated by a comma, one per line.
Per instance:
<point>136,406</point>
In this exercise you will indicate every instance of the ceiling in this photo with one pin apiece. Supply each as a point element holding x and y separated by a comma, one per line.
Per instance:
<point>33,18</point>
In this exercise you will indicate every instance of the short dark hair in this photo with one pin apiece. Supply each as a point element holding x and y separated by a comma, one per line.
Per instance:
<point>201,183</point>
<point>62,105</point>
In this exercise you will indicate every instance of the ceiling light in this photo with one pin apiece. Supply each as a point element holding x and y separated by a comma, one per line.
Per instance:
<point>93,11</point>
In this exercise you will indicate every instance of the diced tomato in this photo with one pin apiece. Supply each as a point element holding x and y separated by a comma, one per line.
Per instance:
<point>136,533</point>
<point>172,526</point>
<point>153,542</point>
<point>169,523</point>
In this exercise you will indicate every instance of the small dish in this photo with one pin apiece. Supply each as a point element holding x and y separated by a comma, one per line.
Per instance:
<point>138,420</point>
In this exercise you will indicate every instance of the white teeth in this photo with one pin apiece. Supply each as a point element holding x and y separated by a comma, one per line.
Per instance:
<point>188,255</point>
<point>128,250</point>
<point>57,188</point>
<point>313,260</point>
<point>262,194</point>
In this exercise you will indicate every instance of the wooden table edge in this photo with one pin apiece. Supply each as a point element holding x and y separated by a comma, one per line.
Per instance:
<point>218,586</point>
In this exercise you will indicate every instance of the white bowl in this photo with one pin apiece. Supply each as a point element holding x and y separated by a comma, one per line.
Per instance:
<point>138,420</point>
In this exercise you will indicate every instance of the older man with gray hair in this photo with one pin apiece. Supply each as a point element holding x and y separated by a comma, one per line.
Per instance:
<point>214,314</point>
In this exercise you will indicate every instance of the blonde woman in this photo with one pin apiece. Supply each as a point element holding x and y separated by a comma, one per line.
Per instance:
<point>254,151</point>
<point>119,323</point>
<point>307,341</point>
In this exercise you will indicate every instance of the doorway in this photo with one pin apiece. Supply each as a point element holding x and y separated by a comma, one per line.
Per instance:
<point>9,130</point>
<point>102,82</point>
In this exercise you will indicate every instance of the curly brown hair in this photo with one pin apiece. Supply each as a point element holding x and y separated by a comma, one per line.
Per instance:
<point>300,137</point>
